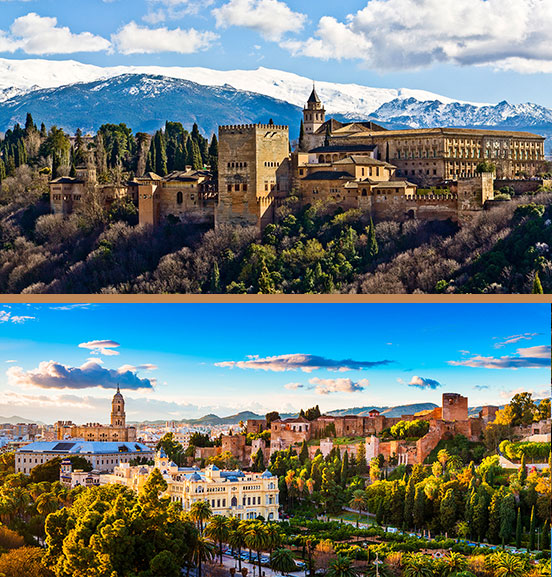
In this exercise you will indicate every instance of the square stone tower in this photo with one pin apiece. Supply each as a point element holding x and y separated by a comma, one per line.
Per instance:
<point>455,407</point>
<point>251,157</point>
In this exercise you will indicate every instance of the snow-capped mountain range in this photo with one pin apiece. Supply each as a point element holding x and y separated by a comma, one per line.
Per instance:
<point>19,76</point>
<point>72,94</point>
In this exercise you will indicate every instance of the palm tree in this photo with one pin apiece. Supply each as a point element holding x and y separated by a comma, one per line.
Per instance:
<point>202,551</point>
<point>506,565</point>
<point>417,565</point>
<point>47,503</point>
<point>282,560</point>
<point>256,539</point>
<point>217,529</point>
<point>358,502</point>
<point>236,538</point>
<point>273,537</point>
<point>341,567</point>
<point>200,511</point>
<point>454,563</point>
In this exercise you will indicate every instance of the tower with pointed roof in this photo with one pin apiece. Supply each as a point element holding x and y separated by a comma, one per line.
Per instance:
<point>314,116</point>
<point>118,416</point>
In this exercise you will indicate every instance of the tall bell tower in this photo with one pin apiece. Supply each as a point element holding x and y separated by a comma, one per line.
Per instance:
<point>314,117</point>
<point>118,416</point>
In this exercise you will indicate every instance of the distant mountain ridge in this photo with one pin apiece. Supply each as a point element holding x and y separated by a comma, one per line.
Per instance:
<point>75,95</point>
<point>15,420</point>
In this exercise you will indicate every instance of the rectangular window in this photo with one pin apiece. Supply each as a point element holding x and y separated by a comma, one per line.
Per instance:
<point>229,188</point>
<point>244,186</point>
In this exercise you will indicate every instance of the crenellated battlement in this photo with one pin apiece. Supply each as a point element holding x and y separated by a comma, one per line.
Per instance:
<point>430,197</point>
<point>251,127</point>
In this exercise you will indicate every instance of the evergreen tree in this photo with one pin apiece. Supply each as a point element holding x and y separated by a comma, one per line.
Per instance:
<point>213,155</point>
<point>73,171</point>
<point>448,511</point>
<point>160,153</point>
<point>418,510</point>
<point>481,513</point>
<point>258,461</point>
<point>304,453</point>
<point>361,465</point>
<point>29,124</point>
<point>372,248</point>
<point>265,282</point>
<point>345,469</point>
<point>507,518</point>
<point>409,502</point>
<point>197,163</point>
<point>302,137</point>
<point>522,473</point>
<point>2,170</point>
<point>493,533</point>
<point>532,530</point>
<point>519,529</point>
<point>537,285</point>
<point>215,279</point>
<point>43,133</point>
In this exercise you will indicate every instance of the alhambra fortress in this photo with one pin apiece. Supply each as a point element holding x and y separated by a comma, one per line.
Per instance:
<point>393,174</point>
<point>326,432</point>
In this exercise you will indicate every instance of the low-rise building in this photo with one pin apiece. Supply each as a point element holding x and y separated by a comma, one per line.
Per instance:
<point>103,456</point>
<point>230,493</point>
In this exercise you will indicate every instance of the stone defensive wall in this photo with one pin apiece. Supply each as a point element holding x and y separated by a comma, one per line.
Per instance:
<point>421,198</point>
<point>230,127</point>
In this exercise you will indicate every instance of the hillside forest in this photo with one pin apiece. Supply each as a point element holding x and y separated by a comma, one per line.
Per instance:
<point>312,249</point>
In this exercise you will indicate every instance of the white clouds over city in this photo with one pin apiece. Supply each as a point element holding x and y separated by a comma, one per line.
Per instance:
<point>135,39</point>
<point>407,34</point>
<point>41,35</point>
<point>270,18</point>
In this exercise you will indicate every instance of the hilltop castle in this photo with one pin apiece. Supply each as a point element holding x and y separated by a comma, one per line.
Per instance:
<point>427,174</point>
<point>117,430</point>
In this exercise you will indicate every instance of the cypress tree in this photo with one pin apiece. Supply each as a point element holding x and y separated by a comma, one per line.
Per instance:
<point>409,502</point>
<point>519,529</point>
<point>55,165</point>
<point>537,286</point>
<point>2,170</point>
<point>197,163</point>
<point>73,172</point>
<point>493,533</point>
<point>29,124</point>
<point>160,154</point>
<point>189,151</point>
<point>372,248</point>
<point>532,530</point>
<point>302,137</point>
<point>215,279</point>
<point>345,469</point>
<point>43,133</point>
<point>304,453</point>
<point>507,518</point>
<point>418,510</point>
<point>213,155</point>
<point>522,473</point>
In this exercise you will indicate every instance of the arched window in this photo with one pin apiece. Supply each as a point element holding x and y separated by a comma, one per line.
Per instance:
<point>364,193</point>
<point>234,502</point>
<point>179,197</point>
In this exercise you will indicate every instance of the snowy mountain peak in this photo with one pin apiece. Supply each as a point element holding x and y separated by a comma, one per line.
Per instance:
<point>25,75</point>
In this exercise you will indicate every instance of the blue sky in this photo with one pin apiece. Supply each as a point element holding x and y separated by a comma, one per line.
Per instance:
<point>186,360</point>
<point>479,50</point>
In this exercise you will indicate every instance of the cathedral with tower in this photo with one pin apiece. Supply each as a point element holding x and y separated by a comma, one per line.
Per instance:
<point>117,430</point>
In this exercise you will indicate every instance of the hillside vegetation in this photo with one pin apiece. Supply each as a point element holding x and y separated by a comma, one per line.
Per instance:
<point>312,249</point>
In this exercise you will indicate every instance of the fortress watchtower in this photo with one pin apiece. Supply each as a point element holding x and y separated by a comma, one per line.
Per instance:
<point>455,407</point>
<point>253,170</point>
<point>314,116</point>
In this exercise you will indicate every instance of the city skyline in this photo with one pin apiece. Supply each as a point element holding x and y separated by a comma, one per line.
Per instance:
<point>183,361</point>
<point>499,51</point>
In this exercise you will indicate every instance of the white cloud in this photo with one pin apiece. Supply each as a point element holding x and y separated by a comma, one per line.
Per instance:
<point>135,39</point>
<point>8,317</point>
<point>101,347</point>
<point>300,361</point>
<point>525,358</point>
<point>293,386</point>
<point>271,18</point>
<point>34,34</point>
<point>161,10</point>
<point>407,34</point>
<point>424,383</point>
<point>134,368</point>
<point>326,386</point>
<point>53,375</point>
